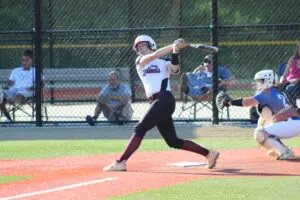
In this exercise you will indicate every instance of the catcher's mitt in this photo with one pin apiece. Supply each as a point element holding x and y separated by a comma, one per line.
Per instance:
<point>222,100</point>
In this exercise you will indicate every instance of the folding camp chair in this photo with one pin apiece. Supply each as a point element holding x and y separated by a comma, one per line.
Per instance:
<point>27,108</point>
<point>193,105</point>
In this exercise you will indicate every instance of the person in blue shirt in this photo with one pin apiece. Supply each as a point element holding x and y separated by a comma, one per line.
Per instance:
<point>279,118</point>
<point>199,82</point>
<point>114,101</point>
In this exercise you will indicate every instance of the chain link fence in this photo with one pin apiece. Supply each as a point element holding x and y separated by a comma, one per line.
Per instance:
<point>83,40</point>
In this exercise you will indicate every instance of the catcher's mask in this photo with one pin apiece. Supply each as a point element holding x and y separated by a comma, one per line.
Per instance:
<point>265,79</point>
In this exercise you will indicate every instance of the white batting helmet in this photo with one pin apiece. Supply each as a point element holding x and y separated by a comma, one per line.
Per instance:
<point>144,38</point>
<point>268,77</point>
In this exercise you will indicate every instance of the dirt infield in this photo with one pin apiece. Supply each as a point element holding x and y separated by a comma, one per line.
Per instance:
<point>82,177</point>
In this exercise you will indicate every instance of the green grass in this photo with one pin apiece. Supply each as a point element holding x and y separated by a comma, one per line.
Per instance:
<point>59,148</point>
<point>225,189</point>
<point>7,179</point>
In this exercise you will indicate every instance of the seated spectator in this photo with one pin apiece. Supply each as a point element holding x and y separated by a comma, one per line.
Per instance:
<point>21,84</point>
<point>281,68</point>
<point>291,76</point>
<point>200,81</point>
<point>114,101</point>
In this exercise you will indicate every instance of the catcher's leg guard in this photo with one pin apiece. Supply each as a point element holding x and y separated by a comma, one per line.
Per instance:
<point>269,142</point>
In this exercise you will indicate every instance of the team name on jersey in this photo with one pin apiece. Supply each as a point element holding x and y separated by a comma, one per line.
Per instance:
<point>151,69</point>
<point>114,97</point>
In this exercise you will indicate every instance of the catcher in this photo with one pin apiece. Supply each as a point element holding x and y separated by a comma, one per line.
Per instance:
<point>279,119</point>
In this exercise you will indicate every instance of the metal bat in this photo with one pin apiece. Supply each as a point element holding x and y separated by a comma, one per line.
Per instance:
<point>205,47</point>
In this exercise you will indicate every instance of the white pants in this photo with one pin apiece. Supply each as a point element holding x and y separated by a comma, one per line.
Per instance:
<point>284,129</point>
<point>12,92</point>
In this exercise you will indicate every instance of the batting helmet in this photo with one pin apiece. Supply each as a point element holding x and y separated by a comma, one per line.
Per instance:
<point>144,38</point>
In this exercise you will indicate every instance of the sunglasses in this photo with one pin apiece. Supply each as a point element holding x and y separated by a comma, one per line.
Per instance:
<point>207,61</point>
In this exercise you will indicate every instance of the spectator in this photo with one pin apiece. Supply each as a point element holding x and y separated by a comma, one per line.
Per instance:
<point>200,81</point>
<point>21,84</point>
<point>281,68</point>
<point>114,101</point>
<point>291,76</point>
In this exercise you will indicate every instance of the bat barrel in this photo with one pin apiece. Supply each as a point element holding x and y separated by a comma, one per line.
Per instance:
<point>205,47</point>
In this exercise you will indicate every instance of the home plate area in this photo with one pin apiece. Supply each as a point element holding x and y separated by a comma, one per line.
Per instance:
<point>187,164</point>
<point>231,162</point>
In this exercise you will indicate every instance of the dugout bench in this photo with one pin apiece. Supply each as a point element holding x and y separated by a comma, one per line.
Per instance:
<point>78,84</point>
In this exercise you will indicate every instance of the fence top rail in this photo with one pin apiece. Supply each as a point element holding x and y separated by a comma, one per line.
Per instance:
<point>259,26</point>
<point>129,29</point>
<point>246,26</point>
<point>16,32</point>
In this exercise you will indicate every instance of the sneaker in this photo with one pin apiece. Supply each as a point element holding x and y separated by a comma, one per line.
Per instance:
<point>212,159</point>
<point>184,84</point>
<point>116,166</point>
<point>90,120</point>
<point>287,155</point>
<point>7,121</point>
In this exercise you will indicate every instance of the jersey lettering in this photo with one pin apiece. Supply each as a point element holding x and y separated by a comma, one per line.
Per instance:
<point>283,99</point>
<point>151,69</point>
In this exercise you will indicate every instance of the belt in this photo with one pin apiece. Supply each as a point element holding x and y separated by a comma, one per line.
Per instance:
<point>155,96</point>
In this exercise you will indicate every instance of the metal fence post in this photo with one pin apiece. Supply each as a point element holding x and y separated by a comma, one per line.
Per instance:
<point>214,39</point>
<point>38,51</point>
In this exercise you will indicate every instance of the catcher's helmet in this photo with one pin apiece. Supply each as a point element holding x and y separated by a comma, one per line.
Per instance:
<point>144,38</point>
<point>268,77</point>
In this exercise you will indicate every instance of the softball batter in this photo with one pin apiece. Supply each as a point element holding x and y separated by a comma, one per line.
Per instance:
<point>155,73</point>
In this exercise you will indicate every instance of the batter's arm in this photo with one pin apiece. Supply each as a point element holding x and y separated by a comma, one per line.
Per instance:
<point>157,54</point>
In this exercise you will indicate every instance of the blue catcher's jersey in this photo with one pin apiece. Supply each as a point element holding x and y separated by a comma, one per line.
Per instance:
<point>274,99</point>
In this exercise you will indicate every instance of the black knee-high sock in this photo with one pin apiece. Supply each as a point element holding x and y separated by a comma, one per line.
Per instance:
<point>193,147</point>
<point>132,146</point>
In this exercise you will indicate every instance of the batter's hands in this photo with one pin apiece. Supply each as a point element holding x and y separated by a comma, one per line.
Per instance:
<point>179,44</point>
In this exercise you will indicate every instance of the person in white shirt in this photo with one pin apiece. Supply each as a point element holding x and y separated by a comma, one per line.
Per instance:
<point>21,83</point>
<point>155,75</point>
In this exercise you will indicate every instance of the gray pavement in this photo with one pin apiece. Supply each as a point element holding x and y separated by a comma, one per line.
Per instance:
<point>188,131</point>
